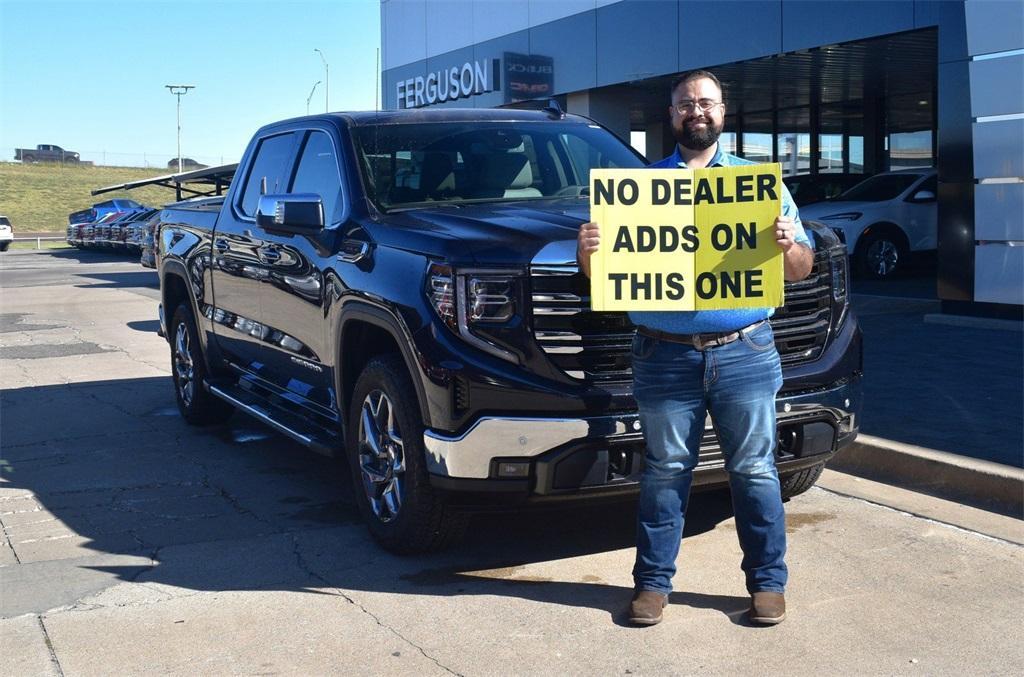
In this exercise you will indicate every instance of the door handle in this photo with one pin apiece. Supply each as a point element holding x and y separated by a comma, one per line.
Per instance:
<point>221,246</point>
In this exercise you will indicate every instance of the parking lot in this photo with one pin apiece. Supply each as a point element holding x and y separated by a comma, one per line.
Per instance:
<point>137,544</point>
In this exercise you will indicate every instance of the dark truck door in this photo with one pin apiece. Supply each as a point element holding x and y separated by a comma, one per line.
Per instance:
<point>294,298</point>
<point>239,267</point>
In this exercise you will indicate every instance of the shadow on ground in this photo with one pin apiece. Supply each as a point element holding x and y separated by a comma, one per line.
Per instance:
<point>93,255</point>
<point>141,278</point>
<point>119,475</point>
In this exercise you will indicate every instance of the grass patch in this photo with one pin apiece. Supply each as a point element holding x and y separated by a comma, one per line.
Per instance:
<point>39,197</point>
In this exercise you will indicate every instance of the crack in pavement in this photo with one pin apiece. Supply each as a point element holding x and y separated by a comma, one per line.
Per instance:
<point>49,646</point>
<point>341,593</point>
<point>7,539</point>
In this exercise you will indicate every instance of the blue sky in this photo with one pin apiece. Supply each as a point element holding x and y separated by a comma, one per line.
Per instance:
<point>90,76</point>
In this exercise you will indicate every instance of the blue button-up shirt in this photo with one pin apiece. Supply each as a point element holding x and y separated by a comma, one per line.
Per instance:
<point>706,321</point>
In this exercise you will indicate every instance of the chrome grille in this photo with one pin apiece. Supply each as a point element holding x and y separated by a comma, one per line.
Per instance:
<point>595,347</point>
<point>801,326</point>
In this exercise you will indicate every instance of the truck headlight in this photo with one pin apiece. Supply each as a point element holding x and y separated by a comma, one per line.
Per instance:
<point>475,303</point>
<point>840,267</point>
<point>489,299</point>
<point>441,291</point>
<point>839,276</point>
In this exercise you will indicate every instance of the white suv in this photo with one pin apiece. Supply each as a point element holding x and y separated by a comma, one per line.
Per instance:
<point>6,233</point>
<point>884,218</point>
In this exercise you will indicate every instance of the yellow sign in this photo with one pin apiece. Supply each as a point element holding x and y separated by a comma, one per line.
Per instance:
<point>681,239</point>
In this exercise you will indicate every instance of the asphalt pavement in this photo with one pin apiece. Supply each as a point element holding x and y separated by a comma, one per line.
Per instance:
<point>135,544</point>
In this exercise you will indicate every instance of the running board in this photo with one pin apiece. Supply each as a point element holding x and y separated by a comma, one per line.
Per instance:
<point>284,422</point>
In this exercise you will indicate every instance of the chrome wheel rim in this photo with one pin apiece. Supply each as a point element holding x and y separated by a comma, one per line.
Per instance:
<point>381,456</point>
<point>883,257</point>
<point>184,368</point>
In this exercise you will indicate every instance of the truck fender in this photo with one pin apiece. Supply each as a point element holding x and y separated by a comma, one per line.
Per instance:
<point>177,270</point>
<point>384,318</point>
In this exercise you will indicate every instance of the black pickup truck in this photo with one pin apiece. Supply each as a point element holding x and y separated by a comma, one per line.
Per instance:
<point>400,289</point>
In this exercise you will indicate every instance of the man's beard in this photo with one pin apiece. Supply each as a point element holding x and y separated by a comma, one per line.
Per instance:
<point>697,139</point>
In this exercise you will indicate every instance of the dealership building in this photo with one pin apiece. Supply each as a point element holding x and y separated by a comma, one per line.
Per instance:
<point>831,86</point>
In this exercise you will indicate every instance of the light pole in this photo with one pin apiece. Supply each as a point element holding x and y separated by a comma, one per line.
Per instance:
<point>327,82</point>
<point>178,91</point>
<point>310,97</point>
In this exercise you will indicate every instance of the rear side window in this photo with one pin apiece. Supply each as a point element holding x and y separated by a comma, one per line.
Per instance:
<point>269,165</point>
<point>318,173</point>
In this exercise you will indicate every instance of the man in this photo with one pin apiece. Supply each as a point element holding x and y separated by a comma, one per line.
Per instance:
<point>686,364</point>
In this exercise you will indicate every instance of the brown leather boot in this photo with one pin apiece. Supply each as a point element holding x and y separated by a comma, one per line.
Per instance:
<point>767,608</point>
<point>646,607</point>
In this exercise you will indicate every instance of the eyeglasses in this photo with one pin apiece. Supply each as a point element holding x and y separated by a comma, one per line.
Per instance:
<point>704,105</point>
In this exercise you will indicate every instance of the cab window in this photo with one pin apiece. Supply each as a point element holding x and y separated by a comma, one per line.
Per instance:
<point>317,172</point>
<point>268,170</point>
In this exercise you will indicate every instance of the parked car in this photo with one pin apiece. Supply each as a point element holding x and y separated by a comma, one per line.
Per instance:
<point>96,234</point>
<point>883,219</point>
<point>118,234</point>
<point>86,221</point>
<point>6,233</point>
<point>187,164</point>
<point>147,256</point>
<point>810,188</point>
<point>133,230</point>
<point>100,209</point>
<point>45,152</point>
<point>436,332</point>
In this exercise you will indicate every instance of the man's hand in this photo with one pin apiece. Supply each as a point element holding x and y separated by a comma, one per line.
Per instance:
<point>798,259</point>
<point>587,241</point>
<point>785,232</point>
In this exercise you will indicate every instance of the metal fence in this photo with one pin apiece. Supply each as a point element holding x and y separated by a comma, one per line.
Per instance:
<point>156,160</point>
<point>40,240</point>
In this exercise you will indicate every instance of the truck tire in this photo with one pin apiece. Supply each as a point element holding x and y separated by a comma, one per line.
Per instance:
<point>799,482</point>
<point>387,459</point>
<point>4,246</point>
<point>28,158</point>
<point>188,371</point>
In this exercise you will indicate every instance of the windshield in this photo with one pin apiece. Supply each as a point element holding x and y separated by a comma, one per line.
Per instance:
<point>879,188</point>
<point>458,162</point>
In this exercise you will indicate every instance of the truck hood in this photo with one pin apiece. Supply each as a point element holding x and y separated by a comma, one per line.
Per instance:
<point>494,233</point>
<point>500,234</point>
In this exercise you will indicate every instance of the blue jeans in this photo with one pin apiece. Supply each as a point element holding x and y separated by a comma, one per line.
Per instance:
<point>675,386</point>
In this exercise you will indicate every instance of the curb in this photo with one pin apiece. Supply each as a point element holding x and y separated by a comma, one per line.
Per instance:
<point>982,484</point>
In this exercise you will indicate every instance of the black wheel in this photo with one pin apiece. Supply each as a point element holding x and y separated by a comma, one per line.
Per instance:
<point>882,253</point>
<point>188,371</point>
<point>799,482</point>
<point>4,246</point>
<point>387,459</point>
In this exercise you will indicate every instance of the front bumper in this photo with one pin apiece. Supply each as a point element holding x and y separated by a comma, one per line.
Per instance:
<point>552,456</point>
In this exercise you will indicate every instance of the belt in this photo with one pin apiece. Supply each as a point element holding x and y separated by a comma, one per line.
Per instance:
<point>699,341</point>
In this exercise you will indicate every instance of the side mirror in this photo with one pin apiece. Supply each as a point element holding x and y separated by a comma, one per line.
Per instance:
<point>299,213</point>
<point>923,196</point>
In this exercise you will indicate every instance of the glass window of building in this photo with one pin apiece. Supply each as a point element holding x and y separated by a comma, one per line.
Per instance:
<point>757,137</point>
<point>910,122</point>
<point>793,141</point>
<point>727,142</point>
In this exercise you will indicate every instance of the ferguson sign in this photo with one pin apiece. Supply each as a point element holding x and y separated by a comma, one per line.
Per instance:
<point>457,82</point>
